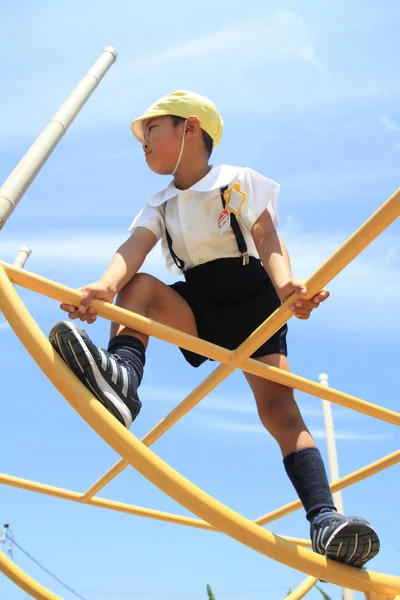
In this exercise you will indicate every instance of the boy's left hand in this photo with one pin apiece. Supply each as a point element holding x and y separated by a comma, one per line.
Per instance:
<point>301,308</point>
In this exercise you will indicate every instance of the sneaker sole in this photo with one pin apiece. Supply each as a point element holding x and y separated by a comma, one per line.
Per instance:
<point>67,341</point>
<point>353,544</point>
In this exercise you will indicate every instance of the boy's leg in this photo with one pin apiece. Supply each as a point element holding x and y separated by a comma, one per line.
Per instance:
<point>114,375</point>
<point>150,297</point>
<point>351,540</point>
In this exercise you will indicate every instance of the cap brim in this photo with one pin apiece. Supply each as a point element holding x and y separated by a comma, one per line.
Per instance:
<point>137,129</point>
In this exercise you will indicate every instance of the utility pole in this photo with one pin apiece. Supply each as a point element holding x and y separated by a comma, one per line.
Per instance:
<point>3,535</point>
<point>332,459</point>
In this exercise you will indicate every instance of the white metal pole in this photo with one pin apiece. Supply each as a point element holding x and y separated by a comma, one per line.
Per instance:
<point>333,460</point>
<point>25,172</point>
<point>22,256</point>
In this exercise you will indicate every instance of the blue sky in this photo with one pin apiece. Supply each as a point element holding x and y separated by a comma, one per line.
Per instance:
<point>309,94</point>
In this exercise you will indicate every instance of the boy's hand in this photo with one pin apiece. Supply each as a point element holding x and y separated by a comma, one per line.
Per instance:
<point>302,308</point>
<point>97,290</point>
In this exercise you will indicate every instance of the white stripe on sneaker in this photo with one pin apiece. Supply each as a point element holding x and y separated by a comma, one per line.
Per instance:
<point>125,380</point>
<point>114,375</point>
<point>103,359</point>
<point>369,549</point>
<point>101,382</point>
<point>76,358</point>
<point>335,533</point>
<point>355,548</point>
<point>60,349</point>
<point>339,549</point>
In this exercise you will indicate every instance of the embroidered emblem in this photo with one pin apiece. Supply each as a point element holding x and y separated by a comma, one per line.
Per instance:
<point>235,198</point>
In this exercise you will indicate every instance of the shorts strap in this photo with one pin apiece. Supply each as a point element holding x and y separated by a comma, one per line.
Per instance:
<point>179,263</point>
<point>237,231</point>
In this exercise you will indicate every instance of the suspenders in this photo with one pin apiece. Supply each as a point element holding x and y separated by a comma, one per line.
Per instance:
<point>236,230</point>
<point>179,263</point>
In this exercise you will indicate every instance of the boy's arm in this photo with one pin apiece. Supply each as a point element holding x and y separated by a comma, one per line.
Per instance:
<point>128,259</point>
<point>273,252</point>
<point>124,265</point>
<point>275,258</point>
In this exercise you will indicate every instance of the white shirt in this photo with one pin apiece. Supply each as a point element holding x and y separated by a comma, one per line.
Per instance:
<point>191,216</point>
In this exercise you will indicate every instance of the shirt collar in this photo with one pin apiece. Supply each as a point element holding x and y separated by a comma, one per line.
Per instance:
<point>216,178</point>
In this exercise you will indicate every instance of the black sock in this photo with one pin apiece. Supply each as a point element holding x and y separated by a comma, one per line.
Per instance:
<point>132,351</point>
<point>306,471</point>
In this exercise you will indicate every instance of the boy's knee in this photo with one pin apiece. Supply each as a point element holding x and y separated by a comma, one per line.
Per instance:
<point>142,284</point>
<point>280,412</point>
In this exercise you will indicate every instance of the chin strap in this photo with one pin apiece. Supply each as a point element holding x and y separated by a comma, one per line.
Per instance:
<point>178,162</point>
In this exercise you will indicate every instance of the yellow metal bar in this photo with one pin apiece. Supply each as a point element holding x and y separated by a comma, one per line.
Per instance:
<point>120,315</point>
<point>173,417</point>
<point>130,509</point>
<point>105,479</point>
<point>109,311</point>
<point>295,540</point>
<point>316,389</point>
<point>303,589</point>
<point>340,484</point>
<point>56,492</point>
<point>374,596</point>
<point>25,581</point>
<point>356,243</point>
<point>165,477</point>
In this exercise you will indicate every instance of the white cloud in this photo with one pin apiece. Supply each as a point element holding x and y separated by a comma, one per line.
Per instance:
<point>247,428</point>
<point>354,436</point>
<point>66,250</point>
<point>4,325</point>
<point>281,37</point>
<point>318,185</point>
<point>388,123</point>
<point>351,309</point>
<point>216,401</point>
<point>229,58</point>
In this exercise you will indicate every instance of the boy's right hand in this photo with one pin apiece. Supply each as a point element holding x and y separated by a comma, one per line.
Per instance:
<point>97,290</point>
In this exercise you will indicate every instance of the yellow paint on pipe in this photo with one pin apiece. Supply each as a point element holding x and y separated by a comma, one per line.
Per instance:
<point>25,581</point>
<point>303,589</point>
<point>48,490</point>
<point>164,476</point>
<point>351,248</point>
<point>164,425</point>
<point>376,467</point>
<point>117,314</point>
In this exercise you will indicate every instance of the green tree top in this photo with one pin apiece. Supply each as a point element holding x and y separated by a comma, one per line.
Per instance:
<point>210,594</point>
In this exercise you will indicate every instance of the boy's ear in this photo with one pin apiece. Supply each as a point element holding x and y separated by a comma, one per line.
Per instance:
<point>192,126</point>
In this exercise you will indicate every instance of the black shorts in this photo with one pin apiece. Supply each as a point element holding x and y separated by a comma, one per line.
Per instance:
<point>229,301</point>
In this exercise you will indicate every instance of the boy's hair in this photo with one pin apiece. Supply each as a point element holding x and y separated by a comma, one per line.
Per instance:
<point>207,139</point>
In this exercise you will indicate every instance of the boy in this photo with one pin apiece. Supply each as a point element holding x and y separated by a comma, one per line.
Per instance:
<point>218,228</point>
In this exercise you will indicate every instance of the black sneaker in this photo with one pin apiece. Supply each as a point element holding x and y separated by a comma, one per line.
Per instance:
<point>104,374</point>
<point>350,540</point>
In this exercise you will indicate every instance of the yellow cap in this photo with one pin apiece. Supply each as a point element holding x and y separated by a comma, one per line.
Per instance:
<point>183,104</point>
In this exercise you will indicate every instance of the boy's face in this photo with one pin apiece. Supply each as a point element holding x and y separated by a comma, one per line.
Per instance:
<point>162,144</point>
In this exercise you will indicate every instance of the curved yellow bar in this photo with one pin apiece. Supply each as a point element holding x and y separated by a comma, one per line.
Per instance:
<point>130,509</point>
<point>204,388</point>
<point>129,319</point>
<point>165,477</point>
<point>25,581</point>
<point>379,465</point>
<point>303,589</point>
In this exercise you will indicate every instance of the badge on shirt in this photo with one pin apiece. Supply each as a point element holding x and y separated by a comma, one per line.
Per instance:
<point>235,198</point>
<point>224,221</point>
